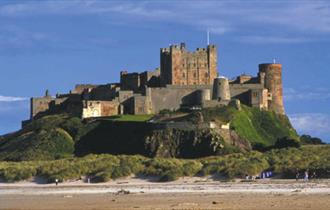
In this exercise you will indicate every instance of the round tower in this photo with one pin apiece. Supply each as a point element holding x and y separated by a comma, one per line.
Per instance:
<point>203,95</point>
<point>273,83</point>
<point>221,89</point>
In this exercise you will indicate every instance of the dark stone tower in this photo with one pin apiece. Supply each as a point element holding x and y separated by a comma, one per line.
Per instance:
<point>273,82</point>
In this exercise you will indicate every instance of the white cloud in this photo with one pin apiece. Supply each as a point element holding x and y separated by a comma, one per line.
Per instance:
<point>17,37</point>
<point>307,94</point>
<point>273,39</point>
<point>11,98</point>
<point>262,22</point>
<point>317,124</point>
<point>12,105</point>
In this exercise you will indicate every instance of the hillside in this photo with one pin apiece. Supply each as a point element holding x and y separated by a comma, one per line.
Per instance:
<point>172,134</point>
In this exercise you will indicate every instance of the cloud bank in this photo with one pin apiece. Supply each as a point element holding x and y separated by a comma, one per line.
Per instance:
<point>280,21</point>
<point>315,124</point>
<point>306,94</point>
<point>11,98</point>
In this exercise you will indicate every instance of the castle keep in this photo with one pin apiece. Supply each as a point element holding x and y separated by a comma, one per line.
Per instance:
<point>184,80</point>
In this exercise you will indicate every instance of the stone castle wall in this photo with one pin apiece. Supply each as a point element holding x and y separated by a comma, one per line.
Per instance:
<point>79,89</point>
<point>174,96</point>
<point>138,81</point>
<point>100,108</point>
<point>39,105</point>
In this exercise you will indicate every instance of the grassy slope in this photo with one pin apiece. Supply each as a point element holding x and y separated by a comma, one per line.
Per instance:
<point>48,138</point>
<point>51,137</point>
<point>252,124</point>
<point>262,126</point>
<point>104,167</point>
<point>54,136</point>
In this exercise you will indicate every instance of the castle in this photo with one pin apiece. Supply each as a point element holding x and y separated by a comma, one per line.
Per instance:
<point>184,80</point>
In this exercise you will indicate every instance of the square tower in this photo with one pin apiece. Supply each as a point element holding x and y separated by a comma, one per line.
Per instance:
<point>181,67</point>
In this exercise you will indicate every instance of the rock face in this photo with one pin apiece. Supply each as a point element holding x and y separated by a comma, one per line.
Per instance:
<point>183,143</point>
<point>184,140</point>
<point>232,138</point>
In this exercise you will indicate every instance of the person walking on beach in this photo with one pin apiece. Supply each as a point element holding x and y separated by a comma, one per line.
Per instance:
<point>306,176</point>
<point>313,176</point>
<point>56,182</point>
<point>297,175</point>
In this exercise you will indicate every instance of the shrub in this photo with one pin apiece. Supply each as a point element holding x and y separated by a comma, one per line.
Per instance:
<point>170,175</point>
<point>103,176</point>
<point>102,168</point>
<point>286,142</point>
<point>191,168</point>
<point>17,173</point>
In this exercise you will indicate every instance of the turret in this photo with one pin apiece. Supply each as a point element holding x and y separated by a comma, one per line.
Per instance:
<point>273,82</point>
<point>212,59</point>
<point>221,89</point>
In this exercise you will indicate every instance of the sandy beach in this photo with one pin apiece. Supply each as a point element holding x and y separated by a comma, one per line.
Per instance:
<point>185,193</point>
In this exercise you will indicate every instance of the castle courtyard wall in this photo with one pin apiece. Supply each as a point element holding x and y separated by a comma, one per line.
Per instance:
<point>173,96</point>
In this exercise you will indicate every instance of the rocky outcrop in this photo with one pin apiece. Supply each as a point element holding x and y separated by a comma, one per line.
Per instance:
<point>183,143</point>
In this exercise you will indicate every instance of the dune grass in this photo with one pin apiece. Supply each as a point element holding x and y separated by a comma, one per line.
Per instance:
<point>104,167</point>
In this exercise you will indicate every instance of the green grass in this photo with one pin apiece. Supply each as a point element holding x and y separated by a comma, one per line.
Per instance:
<point>262,127</point>
<point>101,168</point>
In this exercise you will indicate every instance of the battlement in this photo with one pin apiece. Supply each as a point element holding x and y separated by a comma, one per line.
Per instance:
<point>79,88</point>
<point>200,49</point>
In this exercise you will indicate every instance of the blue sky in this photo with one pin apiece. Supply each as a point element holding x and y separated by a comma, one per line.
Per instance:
<point>57,44</point>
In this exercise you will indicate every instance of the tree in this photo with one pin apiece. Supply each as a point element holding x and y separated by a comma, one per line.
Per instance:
<point>307,139</point>
<point>286,142</point>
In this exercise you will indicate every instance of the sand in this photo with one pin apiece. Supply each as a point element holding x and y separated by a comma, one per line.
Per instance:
<point>186,193</point>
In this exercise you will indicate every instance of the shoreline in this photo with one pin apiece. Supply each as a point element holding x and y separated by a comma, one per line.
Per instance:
<point>183,185</point>
<point>186,193</point>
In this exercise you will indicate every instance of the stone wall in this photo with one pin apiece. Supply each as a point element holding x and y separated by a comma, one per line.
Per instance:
<point>137,81</point>
<point>259,98</point>
<point>102,93</point>
<point>150,78</point>
<point>129,81</point>
<point>241,91</point>
<point>39,105</point>
<point>173,96</point>
<point>79,89</point>
<point>99,108</point>
<point>141,105</point>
